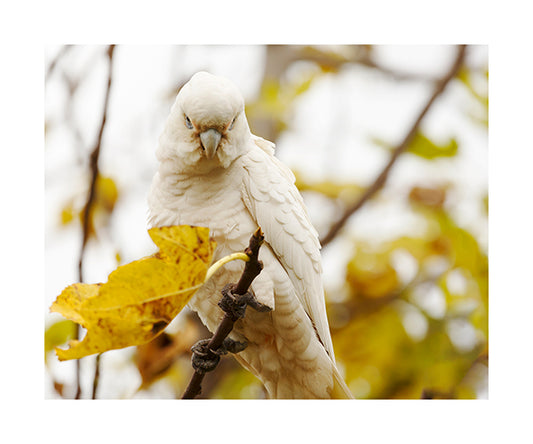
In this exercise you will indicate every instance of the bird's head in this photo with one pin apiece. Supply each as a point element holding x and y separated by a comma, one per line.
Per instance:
<point>207,125</point>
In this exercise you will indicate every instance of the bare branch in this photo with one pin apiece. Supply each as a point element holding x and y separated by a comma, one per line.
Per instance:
<point>400,149</point>
<point>234,303</point>
<point>93,161</point>
<point>51,67</point>
<point>394,74</point>
<point>95,154</point>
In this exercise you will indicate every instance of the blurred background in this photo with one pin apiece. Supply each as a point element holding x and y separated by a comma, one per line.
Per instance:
<point>406,276</point>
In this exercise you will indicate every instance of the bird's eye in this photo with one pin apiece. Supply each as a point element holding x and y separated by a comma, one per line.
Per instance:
<point>232,123</point>
<point>188,122</point>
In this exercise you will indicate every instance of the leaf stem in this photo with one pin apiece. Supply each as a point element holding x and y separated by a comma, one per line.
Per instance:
<point>221,262</point>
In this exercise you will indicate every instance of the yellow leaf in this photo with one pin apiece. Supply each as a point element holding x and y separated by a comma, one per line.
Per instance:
<point>67,214</point>
<point>141,298</point>
<point>69,302</point>
<point>106,193</point>
<point>370,275</point>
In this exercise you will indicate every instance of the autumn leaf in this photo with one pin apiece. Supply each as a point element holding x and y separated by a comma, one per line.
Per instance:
<point>155,358</point>
<point>141,298</point>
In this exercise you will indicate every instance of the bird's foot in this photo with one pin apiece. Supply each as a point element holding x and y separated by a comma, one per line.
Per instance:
<point>235,304</point>
<point>205,360</point>
<point>232,346</point>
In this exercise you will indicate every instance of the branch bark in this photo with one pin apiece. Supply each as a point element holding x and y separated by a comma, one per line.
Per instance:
<point>93,163</point>
<point>52,66</point>
<point>239,299</point>
<point>380,180</point>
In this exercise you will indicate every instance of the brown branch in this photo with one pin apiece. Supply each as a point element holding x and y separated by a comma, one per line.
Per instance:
<point>400,149</point>
<point>96,376</point>
<point>93,163</point>
<point>52,66</point>
<point>234,302</point>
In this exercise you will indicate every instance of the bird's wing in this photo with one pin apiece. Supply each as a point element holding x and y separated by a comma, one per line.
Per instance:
<point>274,202</point>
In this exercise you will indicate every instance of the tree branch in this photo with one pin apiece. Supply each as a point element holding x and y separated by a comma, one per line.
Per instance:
<point>51,67</point>
<point>400,149</point>
<point>93,163</point>
<point>234,302</point>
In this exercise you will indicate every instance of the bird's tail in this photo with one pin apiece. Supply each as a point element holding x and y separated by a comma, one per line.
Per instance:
<point>340,389</point>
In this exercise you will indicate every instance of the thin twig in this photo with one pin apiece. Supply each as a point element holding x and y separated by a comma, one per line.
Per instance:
<point>382,177</point>
<point>251,269</point>
<point>93,162</point>
<point>51,67</point>
<point>96,376</point>
<point>394,74</point>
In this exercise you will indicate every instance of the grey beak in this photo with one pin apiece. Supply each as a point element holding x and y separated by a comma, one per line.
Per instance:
<point>210,140</point>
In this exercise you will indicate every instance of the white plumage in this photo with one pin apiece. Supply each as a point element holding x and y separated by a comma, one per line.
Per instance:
<point>213,172</point>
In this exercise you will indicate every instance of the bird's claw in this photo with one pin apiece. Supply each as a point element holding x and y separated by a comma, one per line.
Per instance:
<point>231,303</point>
<point>204,359</point>
<point>252,301</point>
<point>232,346</point>
<point>235,304</point>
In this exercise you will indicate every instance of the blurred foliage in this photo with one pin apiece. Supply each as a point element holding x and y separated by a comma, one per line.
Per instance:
<point>105,198</point>
<point>403,337</point>
<point>57,334</point>
<point>422,146</point>
<point>275,102</point>
<point>411,319</point>
<point>156,357</point>
<point>476,83</point>
<point>333,189</point>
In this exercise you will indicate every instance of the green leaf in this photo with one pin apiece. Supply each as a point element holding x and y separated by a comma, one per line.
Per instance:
<point>58,333</point>
<point>424,147</point>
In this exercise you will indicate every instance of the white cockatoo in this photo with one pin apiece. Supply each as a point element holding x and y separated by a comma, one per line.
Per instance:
<point>215,173</point>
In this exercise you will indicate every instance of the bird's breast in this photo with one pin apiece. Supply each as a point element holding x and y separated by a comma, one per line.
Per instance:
<point>213,201</point>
